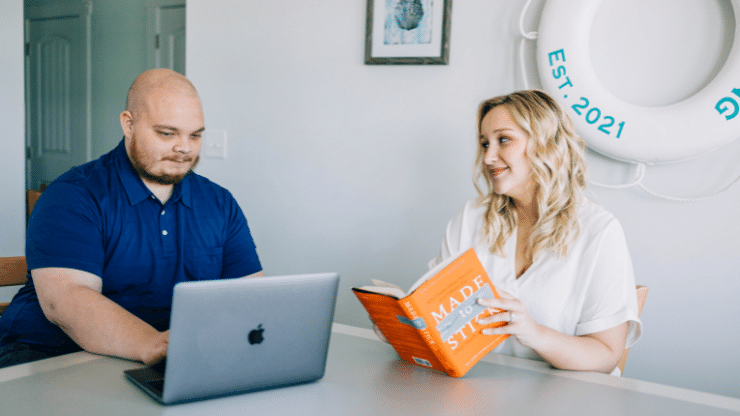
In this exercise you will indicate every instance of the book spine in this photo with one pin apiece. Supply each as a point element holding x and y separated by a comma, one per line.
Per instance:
<point>433,341</point>
<point>400,331</point>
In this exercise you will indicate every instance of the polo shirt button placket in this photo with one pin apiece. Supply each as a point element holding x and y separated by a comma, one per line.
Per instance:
<point>168,230</point>
<point>164,232</point>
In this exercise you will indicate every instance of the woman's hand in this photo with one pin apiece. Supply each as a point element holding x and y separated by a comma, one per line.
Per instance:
<point>519,323</point>
<point>599,351</point>
<point>378,332</point>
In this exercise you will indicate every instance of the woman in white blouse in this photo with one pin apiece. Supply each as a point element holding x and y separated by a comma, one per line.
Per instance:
<point>560,261</point>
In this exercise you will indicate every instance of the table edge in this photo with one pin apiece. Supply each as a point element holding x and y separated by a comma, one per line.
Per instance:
<point>640,386</point>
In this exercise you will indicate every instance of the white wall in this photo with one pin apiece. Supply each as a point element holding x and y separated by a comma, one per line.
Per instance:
<point>688,253</point>
<point>345,167</point>
<point>12,118</point>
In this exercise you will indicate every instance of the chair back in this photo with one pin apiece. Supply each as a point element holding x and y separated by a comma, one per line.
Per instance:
<point>32,196</point>
<point>642,292</point>
<point>12,272</point>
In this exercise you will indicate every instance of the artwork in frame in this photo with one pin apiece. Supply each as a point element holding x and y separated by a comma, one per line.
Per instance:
<point>408,32</point>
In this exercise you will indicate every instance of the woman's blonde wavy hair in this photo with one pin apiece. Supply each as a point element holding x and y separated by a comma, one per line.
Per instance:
<point>556,156</point>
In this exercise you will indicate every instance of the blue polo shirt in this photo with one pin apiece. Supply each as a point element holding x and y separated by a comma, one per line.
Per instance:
<point>102,219</point>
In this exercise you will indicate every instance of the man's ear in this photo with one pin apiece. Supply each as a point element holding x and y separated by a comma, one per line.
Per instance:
<point>127,123</point>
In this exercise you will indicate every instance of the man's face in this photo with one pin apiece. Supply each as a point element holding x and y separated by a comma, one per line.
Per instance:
<point>164,136</point>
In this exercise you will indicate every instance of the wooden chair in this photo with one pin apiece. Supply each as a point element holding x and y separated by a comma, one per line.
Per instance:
<point>13,269</point>
<point>31,197</point>
<point>642,292</point>
<point>12,272</point>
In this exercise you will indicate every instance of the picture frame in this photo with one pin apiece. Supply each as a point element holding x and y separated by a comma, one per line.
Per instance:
<point>408,32</point>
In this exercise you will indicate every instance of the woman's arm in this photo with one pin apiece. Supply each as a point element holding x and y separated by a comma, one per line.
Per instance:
<point>600,351</point>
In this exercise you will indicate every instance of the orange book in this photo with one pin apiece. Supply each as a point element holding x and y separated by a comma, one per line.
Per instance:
<point>435,324</point>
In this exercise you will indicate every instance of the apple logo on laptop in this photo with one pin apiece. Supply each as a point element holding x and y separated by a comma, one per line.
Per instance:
<point>255,335</point>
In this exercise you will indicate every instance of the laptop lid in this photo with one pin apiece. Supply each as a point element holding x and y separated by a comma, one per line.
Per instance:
<point>237,335</point>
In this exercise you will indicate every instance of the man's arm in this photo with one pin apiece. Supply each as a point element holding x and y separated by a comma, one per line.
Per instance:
<point>72,300</point>
<point>260,273</point>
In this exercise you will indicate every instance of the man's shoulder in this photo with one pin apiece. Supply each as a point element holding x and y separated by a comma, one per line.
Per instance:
<point>95,174</point>
<point>82,189</point>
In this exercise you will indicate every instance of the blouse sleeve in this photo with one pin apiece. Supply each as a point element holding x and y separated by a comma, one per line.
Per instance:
<point>611,298</point>
<point>460,233</point>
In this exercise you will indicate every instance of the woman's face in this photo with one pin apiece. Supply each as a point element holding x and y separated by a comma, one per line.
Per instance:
<point>505,157</point>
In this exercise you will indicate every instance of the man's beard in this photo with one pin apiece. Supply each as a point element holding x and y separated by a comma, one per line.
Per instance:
<point>163,179</point>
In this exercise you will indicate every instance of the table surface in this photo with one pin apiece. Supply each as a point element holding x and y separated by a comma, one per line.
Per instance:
<point>363,376</point>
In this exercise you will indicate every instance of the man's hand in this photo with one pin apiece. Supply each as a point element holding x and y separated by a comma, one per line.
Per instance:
<point>157,351</point>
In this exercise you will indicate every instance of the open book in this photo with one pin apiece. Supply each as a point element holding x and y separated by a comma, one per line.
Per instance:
<point>435,324</point>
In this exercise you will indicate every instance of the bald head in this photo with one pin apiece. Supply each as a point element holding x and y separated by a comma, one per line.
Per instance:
<point>157,81</point>
<point>162,127</point>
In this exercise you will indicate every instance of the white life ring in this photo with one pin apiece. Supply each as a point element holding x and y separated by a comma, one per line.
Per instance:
<point>624,131</point>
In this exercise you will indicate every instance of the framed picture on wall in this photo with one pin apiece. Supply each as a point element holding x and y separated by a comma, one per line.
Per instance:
<point>408,32</point>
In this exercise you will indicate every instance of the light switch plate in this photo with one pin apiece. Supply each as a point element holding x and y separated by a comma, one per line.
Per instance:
<point>214,144</point>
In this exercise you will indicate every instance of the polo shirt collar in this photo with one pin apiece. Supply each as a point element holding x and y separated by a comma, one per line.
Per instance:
<point>135,189</point>
<point>182,191</point>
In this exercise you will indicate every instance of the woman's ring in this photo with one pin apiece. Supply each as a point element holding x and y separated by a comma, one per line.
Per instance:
<point>511,316</point>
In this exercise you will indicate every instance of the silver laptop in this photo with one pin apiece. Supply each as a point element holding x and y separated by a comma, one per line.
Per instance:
<point>238,335</point>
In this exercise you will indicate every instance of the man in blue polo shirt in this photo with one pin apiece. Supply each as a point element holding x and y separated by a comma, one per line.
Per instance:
<point>108,240</point>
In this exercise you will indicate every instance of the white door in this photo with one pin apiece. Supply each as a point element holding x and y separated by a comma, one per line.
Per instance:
<point>166,39</point>
<point>57,90</point>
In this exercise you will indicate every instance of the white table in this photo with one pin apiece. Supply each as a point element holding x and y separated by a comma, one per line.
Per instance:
<point>363,377</point>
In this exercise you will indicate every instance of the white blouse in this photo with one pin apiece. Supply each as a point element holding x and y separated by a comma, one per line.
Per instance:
<point>592,289</point>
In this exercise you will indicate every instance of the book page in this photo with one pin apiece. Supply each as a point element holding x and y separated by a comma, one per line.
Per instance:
<point>438,268</point>
<point>394,292</point>
<point>389,289</point>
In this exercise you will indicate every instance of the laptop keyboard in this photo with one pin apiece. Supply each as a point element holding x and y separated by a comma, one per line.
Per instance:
<point>157,386</point>
<point>160,366</point>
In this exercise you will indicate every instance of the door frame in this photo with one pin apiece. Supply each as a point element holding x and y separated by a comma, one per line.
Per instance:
<point>153,10</point>
<point>84,10</point>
